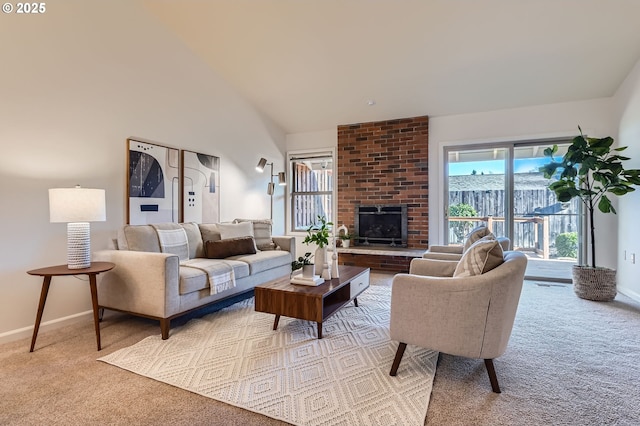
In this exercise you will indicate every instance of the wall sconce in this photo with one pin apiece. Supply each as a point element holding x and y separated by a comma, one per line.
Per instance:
<point>77,207</point>
<point>271,187</point>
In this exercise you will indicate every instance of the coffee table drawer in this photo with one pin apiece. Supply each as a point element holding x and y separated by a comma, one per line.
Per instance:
<point>359,284</point>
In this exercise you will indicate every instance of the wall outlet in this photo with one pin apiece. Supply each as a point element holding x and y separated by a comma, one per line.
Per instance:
<point>624,256</point>
<point>633,258</point>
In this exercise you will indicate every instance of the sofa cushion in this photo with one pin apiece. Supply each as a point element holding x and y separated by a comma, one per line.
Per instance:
<point>209,232</point>
<point>194,279</point>
<point>235,230</point>
<point>475,234</point>
<point>264,260</point>
<point>483,255</point>
<point>231,247</point>
<point>138,238</point>
<point>261,233</point>
<point>194,237</point>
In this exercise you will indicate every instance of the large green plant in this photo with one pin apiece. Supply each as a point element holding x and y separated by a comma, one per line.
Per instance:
<point>589,170</point>
<point>318,233</point>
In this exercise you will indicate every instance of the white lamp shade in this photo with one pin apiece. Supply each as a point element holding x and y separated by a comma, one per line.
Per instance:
<point>77,205</point>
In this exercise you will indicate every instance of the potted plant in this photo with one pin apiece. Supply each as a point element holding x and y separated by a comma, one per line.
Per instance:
<point>318,234</point>
<point>304,262</point>
<point>590,170</point>
<point>346,239</point>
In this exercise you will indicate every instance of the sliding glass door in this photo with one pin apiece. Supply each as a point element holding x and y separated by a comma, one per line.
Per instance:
<point>500,186</point>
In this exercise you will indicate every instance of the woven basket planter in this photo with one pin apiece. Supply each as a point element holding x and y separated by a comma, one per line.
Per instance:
<point>594,283</point>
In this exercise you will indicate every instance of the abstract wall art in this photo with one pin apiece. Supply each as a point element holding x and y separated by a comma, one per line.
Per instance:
<point>201,187</point>
<point>153,189</point>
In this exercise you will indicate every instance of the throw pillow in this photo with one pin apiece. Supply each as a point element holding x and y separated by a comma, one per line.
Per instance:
<point>261,233</point>
<point>483,255</point>
<point>222,249</point>
<point>235,230</point>
<point>174,241</point>
<point>194,238</point>
<point>475,234</point>
<point>209,231</point>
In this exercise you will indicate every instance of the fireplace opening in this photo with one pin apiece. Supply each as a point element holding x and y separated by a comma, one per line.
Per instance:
<point>381,225</point>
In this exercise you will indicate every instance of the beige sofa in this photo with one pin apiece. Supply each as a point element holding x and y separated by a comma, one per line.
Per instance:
<point>153,280</point>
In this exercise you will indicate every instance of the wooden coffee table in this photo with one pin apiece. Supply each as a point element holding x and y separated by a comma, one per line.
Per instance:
<point>311,303</point>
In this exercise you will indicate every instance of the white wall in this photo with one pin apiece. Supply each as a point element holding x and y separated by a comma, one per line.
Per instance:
<point>627,101</point>
<point>75,83</point>
<point>519,124</point>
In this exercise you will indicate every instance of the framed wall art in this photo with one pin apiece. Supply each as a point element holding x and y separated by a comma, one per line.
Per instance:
<point>201,187</point>
<point>153,189</point>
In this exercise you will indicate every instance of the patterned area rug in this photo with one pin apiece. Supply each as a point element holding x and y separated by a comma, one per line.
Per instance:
<point>235,357</point>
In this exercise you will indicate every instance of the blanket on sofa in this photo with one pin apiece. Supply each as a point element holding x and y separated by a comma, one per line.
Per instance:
<point>173,241</point>
<point>220,274</point>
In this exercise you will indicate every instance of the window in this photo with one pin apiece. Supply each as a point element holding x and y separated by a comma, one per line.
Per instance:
<point>311,188</point>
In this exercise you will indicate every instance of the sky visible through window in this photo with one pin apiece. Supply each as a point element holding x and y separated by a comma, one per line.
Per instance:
<point>496,167</point>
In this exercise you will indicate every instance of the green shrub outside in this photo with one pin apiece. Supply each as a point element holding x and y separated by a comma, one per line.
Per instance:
<point>460,228</point>
<point>567,244</point>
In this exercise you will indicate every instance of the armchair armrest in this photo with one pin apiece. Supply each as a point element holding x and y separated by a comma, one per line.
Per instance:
<point>142,282</point>
<point>441,256</point>
<point>445,249</point>
<point>432,267</point>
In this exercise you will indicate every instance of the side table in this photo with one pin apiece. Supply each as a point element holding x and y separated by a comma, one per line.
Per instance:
<point>62,270</point>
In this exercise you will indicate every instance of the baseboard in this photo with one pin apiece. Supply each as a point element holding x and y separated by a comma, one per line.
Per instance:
<point>21,333</point>
<point>629,293</point>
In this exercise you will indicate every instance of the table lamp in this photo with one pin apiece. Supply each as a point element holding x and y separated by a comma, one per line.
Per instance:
<point>77,207</point>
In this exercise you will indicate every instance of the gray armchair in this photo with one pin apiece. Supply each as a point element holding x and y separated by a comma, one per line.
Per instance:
<point>465,316</point>
<point>439,252</point>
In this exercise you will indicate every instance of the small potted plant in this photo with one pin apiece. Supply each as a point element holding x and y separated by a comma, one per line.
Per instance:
<point>346,239</point>
<point>318,234</point>
<point>589,170</point>
<point>304,262</point>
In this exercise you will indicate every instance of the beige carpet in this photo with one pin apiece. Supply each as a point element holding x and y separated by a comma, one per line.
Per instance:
<point>569,362</point>
<point>234,356</point>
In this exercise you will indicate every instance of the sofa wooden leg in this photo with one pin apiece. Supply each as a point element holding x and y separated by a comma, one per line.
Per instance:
<point>165,324</point>
<point>492,375</point>
<point>398,358</point>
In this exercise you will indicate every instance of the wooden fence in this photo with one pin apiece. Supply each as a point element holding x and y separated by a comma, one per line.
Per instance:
<point>311,195</point>
<point>536,223</point>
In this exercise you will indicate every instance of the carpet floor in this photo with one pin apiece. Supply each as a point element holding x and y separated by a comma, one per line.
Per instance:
<point>569,362</point>
<point>235,356</point>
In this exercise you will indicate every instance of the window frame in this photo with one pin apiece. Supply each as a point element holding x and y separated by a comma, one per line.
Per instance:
<point>308,153</point>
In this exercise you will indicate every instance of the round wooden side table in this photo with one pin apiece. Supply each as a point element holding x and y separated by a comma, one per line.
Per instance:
<point>62,270</point>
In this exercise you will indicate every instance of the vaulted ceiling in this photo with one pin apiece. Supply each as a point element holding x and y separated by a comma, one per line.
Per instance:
<point>314,64</point>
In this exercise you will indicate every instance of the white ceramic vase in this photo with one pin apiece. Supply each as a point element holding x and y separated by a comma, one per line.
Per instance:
<point>322,264</point>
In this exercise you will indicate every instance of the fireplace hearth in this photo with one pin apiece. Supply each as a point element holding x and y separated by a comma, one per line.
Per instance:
<point>382,225</point>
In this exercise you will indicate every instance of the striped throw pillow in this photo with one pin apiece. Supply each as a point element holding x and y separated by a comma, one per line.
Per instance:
<point>483,255</point>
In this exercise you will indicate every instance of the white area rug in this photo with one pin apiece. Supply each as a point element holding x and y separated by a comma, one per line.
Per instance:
<point>234,356</point>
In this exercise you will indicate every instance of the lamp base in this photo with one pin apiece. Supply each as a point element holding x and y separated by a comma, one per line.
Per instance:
<point>78,245</point>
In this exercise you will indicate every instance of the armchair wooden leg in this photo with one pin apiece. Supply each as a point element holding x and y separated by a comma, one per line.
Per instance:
<point>398,358</point>
<point>492,375</point>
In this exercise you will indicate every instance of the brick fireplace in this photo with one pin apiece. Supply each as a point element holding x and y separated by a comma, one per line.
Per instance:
<point>383,163</point>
